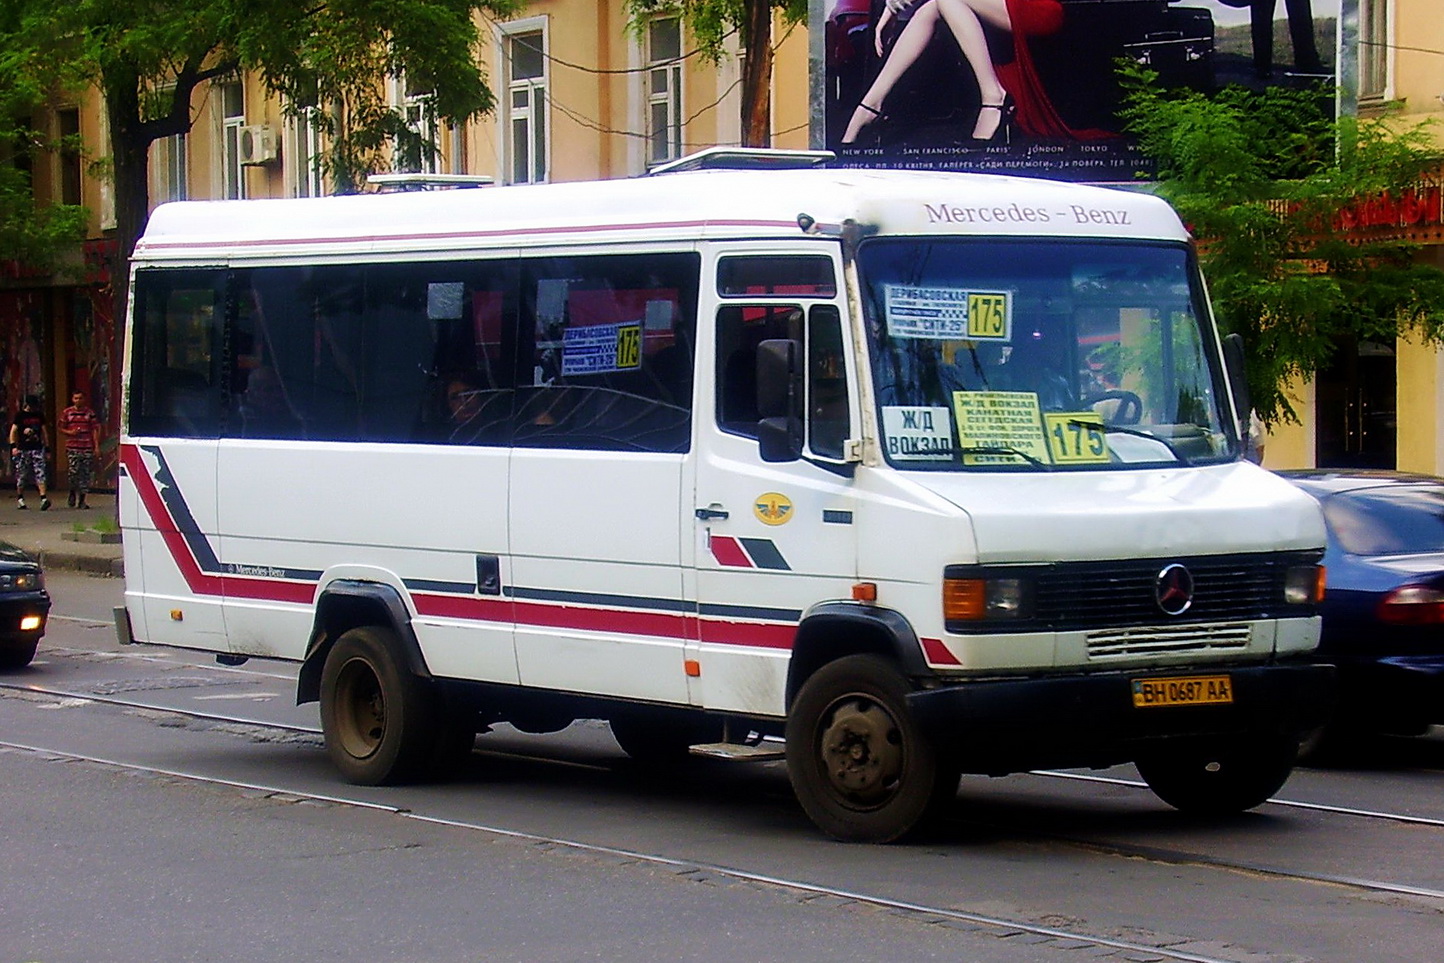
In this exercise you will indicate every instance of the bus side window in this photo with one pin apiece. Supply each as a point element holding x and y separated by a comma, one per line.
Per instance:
<point>740,329</point>
<point>176,390</point>
<point>605,352</point>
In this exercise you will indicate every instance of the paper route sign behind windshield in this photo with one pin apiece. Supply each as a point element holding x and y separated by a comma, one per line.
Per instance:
<point>599,348</point>
<point>948,314</point>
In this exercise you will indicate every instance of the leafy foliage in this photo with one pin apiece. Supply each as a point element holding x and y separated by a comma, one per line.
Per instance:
<point>148,58</point>
<point>35,237</point>
<point>1262,179</point>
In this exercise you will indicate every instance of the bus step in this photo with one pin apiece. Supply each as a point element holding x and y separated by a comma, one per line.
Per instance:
<point>737,752</point>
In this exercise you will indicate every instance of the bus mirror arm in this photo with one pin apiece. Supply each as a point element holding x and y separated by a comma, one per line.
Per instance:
<point>1234,364</point>
<point>779,427</point>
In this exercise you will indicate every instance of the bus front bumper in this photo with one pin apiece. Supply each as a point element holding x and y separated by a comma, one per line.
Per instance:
<point>1092,719</point>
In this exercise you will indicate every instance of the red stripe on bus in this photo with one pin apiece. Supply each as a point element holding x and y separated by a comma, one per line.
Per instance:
<point>937,653</point>
<point>752,634</point>
<point>728,551</point>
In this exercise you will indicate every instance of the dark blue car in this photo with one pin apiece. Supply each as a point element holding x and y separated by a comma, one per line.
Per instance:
<point>24,606</point>
<point>1383,610</point>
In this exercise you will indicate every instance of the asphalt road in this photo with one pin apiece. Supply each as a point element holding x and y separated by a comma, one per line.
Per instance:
<point>211,827</point>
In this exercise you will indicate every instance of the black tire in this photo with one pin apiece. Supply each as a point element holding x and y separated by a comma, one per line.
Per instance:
<point>861,767</point>
<point>1221,778</point>
<point>382,724</point>
<point>18,656</point>
<point>653,739</point>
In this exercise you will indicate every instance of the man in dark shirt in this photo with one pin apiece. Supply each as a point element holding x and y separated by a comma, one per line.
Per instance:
<point>28,443</point>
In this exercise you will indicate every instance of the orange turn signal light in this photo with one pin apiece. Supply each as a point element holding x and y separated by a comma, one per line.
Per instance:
<point>964,599</point>
<point>864,592</point>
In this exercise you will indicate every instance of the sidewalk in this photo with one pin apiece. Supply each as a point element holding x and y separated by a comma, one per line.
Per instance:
<point>52,536</point>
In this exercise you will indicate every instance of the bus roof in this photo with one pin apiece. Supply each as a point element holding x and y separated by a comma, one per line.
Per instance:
<point>706,204</point>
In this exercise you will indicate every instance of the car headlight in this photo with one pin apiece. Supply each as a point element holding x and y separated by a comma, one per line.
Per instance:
<point>21,582</point>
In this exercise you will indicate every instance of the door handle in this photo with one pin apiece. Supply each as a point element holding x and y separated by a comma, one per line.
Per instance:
<point>707,514</point>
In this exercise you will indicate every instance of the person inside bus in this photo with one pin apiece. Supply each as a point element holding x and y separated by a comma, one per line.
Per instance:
<point>265,408</point>
<point>1033,365</point>
<point>463,398</point>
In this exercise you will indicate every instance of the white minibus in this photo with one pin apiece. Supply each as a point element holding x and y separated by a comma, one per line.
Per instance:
<point>923,473</point>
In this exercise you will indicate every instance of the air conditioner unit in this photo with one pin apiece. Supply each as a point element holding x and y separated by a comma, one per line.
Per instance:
<point>257,144</point>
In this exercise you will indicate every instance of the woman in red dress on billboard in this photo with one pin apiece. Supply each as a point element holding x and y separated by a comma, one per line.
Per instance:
<point>1011,92</point>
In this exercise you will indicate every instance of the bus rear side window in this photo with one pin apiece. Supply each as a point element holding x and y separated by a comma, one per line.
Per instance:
<point>176,390</point>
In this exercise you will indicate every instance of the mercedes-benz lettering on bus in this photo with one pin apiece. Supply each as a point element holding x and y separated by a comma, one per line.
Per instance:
<point>926,473</point>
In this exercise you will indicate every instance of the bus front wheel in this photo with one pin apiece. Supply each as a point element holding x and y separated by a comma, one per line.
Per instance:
<point>379,720</point>
<point>860,766</point>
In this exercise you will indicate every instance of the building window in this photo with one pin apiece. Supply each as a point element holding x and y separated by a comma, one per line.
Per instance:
<point>233,118</point>
<point>304,156</point>
<point>664,90</point>
<point>1373,49</point>
<point>417,108</point>
<point>526,130</point>
<point>67,122</point>
<point>168,169</point>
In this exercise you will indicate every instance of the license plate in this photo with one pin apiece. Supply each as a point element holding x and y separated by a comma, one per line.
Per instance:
<point>1194,690</point>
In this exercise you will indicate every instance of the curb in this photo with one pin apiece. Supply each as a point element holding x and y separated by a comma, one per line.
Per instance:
<point>94,565</point>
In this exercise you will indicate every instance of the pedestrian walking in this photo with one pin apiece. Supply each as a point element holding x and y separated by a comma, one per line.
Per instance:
<point>29,443</point>
<point>81,428</point>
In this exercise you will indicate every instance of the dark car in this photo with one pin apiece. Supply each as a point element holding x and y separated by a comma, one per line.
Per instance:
<point>24,606</point>
<point>1383,610</point>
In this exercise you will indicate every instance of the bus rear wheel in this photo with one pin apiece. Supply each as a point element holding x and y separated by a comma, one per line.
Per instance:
<point>1222,778</point>
<point>861,767</point>
<point>381,723</point>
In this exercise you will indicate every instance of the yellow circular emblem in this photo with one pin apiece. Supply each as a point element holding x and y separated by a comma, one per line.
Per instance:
<point>772,508</point>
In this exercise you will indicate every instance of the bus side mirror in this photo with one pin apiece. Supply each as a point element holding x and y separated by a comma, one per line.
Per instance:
<point>779,428</point>
<point>1234,366</point>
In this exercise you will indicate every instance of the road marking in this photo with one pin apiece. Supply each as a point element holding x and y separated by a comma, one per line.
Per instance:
<point>253,696</point>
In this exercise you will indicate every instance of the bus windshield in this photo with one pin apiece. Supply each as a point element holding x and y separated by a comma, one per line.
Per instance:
<point>1040,355</point>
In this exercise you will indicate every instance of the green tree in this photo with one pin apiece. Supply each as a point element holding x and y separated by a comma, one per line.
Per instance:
<point>148,58</point>
<point>1263,179</point>
<point>710,23</point>
<point>35,236</point>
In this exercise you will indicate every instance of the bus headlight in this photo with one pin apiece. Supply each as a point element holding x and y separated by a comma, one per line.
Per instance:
<point>986,599</point>
<point>1304,584</point>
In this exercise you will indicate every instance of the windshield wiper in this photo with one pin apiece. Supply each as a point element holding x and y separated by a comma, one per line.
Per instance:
<point>1004,450</point>
<point>1178,456</point>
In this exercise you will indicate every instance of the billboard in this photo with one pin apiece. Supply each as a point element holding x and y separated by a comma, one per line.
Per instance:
<point>1030,86</point>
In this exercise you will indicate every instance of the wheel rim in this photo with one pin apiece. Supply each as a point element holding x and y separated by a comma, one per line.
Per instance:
<point>360,709</point>
<point>861,749</point>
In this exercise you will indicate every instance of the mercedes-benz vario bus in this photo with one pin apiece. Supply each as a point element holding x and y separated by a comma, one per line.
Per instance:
<point>924,473</point>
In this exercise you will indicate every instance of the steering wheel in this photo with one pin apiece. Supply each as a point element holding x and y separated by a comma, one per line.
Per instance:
<point>1130,406</point>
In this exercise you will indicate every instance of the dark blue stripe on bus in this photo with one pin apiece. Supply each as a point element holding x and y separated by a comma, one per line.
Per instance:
<point>598,598</point>
<point>754,612</point>
<point>764,554</point>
